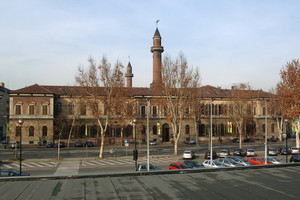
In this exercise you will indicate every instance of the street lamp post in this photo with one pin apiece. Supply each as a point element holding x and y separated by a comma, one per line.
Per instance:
<point>135,153</point>
<point>148,135</point>
<point>116,138</point>
<point>266,131</point>
<point>21,123</point>
<point>211,133</point>
<point>286,142</point>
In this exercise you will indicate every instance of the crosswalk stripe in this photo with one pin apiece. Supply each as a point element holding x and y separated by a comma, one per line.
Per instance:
<point>27,165</point>
<point>36,165</point>
<point>7,166</point>
<point>47,164</point>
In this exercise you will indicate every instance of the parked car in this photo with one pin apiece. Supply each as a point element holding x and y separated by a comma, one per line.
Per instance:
<point>215,164</point>
<point>61,144</point>
<point>89,144</point>
<point>49,144</point>
<point>250,152</point>
<point>190,141</point>
<point>239,152</point>
<point>178,165</point>
<point>249,140</point>
<point>285,151</point>
<point>223,153</point>
<point>207,155</point>
<point>295,150</point>
<point>143,167</point>
<point>295,158</point>
<point>274,160</point>
<point>78,144</point>
<point>257,161</point>
<point>152,142</point>
<point>272,152</point>
<point>240,160</point>
<point>273,139</point>
<point>12,172</point>
<point>193,164</point>
<point>235,140</point>
<point>187,154</point>
<point>229,162</point>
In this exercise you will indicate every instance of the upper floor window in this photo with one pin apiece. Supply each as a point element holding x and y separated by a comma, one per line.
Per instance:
<point>83,109</point>
<point>18,110</point>
<point>143,111</point>
<point>18,130</point>
<point>154,130</point>
<point>187,129</point>
<point>71,108</point>
<point>154,110</point>
<point>45,109</point>
<point>31,110</point>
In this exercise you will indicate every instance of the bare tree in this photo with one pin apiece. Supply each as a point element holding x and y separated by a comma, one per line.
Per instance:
<point>240,113</point>
<point>288,92</point>
<point>179,82</point>
<point>102,84</point>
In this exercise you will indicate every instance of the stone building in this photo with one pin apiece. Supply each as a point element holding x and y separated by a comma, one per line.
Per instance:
<point>4,109</point>
<point>52,112</point>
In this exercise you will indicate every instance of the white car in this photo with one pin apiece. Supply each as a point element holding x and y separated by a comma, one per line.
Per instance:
<point>215,164</point>
<point>224,153</point>
<point>295,150</point>
<point>274,160</point>
<point>250,152</point>
<point>188,154</point>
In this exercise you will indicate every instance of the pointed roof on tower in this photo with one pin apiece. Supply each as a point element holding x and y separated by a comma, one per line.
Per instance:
<point>156,34</point>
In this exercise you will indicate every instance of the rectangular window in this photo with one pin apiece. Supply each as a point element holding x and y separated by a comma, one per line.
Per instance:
<point>18,110</point>
<point>71,109</point>
<point>154,110</point>
<point>83,110</point>
<point>31,109</point>
<point>143,111</point>
<point>44,109</point>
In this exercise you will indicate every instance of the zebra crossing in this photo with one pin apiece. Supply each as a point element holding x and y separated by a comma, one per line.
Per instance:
<point>127,161</point>
<point>29,165</point>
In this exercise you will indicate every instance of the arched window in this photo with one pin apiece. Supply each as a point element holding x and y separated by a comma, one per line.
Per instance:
<point>45,130</point>
<point>154,130</point>
<point>187,129</point>
<point>31,131</point>
<point>18,130</point>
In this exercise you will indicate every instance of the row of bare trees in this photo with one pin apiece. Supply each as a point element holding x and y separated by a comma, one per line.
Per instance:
<point>104,93</point>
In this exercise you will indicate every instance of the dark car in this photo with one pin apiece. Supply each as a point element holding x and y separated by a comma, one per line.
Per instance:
<point>285,151</point>
<point>49,144</point>
<point>78,144</point>
<point>89,144</point>
<point>249,140</point>
<point>235,140</point>
<point>207,155</point>
<point>295,158</point>
<point>12,172</point>
<point>273,139</point>
<point>193,164</point>
<point>239,152</point>
<point>143,167</point>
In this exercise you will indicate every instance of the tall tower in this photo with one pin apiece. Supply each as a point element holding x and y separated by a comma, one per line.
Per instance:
<point>156,49</point>
<point>129,75</point>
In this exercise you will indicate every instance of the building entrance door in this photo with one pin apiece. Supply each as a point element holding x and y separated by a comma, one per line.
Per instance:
<point>165,133</point>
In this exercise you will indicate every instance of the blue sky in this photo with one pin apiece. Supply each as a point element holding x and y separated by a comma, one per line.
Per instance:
<point>230,41</point>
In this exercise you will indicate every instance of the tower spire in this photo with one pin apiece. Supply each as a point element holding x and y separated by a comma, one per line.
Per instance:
<point>157,50</point>
<point>129,75</point>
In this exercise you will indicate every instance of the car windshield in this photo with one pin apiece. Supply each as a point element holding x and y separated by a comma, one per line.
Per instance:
<point>223,151</point>
<point>184,166</point>
<point>187,152</point>
<point>216,163</point>
<point>250,150</point>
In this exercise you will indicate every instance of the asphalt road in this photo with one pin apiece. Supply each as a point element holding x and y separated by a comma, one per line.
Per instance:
<point>253,183</point>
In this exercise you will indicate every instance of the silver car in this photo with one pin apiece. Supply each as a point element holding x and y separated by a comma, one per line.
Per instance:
<point>274,160</point>
<point>229,162</point>
<point>240,160</point>
<point>223,153</point>
<point>215,164</point>
<point>272,152</point>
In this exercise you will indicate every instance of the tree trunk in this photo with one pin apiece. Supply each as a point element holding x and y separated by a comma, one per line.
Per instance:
<point>71,132</point>
<point>175,147</point>
<point>102,145</point>
<point>297,129</point>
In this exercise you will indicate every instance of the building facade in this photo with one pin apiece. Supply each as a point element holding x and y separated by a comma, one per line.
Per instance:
<point>53,112</point>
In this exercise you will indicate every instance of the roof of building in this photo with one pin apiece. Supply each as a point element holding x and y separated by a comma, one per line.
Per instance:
<point>204,91</point>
